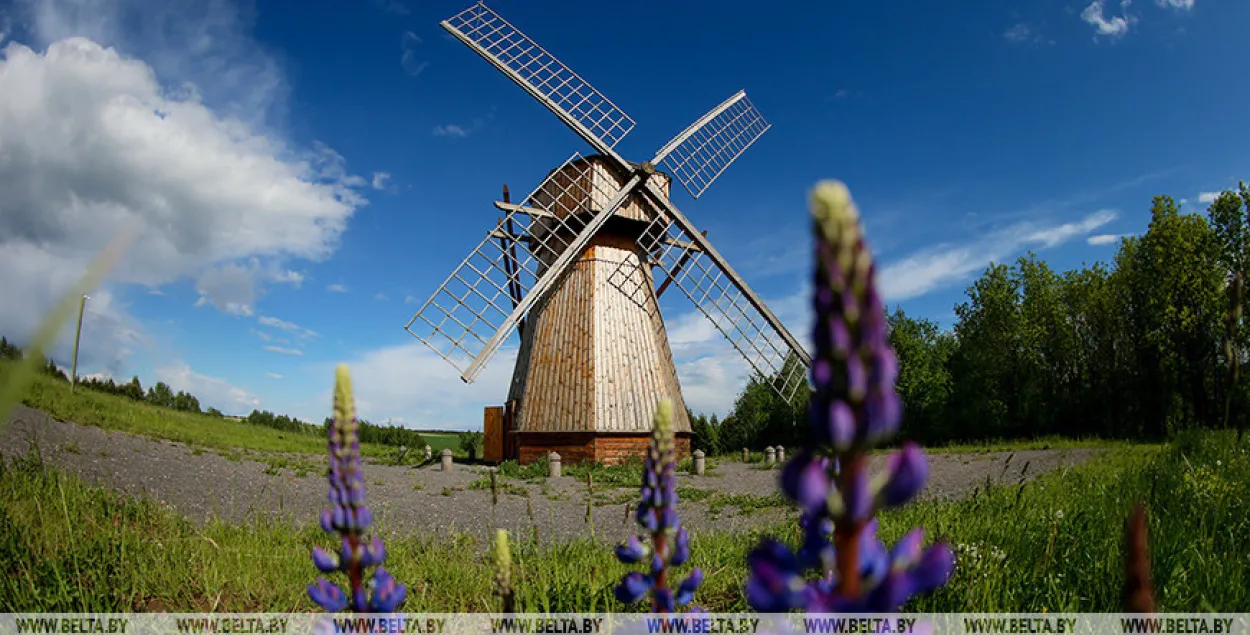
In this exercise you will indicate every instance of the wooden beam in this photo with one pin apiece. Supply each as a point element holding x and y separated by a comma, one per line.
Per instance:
<point>511,266</point>
<point>507,206</point>
<point>677,269</point>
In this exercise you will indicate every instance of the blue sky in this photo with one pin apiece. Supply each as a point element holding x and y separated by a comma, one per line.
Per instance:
<point>308,173</point>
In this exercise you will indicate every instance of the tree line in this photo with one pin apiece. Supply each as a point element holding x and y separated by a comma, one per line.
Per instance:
<point>1137,348</point>
<point>160,394</point>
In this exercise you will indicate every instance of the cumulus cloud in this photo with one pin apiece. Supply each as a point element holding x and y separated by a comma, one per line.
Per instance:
<point>156,113</point>
<point>408,383</point>
<point>1114,26</point>
<point>936,267</point>
<point>1181,5</point>
<point>211,391</point>
<point>284,351</point>
<point>1208,197</point>
<point>379,180</point>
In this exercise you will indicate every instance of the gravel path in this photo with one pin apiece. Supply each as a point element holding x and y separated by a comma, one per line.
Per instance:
<point>204,485</point>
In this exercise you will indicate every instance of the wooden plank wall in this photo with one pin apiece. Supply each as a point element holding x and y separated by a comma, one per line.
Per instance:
<point>492,438</point>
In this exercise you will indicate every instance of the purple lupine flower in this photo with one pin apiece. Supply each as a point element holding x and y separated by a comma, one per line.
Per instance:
<point>349,517</point>
<point>842,566</point>
<point>669,544</point>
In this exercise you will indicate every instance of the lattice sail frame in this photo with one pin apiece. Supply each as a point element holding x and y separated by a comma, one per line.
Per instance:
<point>539,72</point>
<point>473,304</point>
<point>703,152</point>
<point>705,284</point>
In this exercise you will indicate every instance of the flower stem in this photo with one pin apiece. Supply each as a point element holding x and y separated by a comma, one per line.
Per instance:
<point>846,534</point>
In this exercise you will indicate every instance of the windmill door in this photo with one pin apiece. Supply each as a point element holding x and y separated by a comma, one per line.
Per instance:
<point>493,436</point>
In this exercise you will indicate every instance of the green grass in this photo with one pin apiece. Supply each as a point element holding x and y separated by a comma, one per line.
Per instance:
<point>67,546</point>
<point>439,441</point>
<point>992,445</point>
<point>235,440</point>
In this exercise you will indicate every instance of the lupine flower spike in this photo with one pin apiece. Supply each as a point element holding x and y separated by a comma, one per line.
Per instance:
<point>853,409</point>
<point>501,559</point>
<point>657,514</point>
<point>349,518</point>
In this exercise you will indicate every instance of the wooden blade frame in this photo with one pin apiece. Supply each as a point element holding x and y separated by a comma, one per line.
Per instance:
<point>705,149</point>
<point>484,298</point>
<point>722,297</point>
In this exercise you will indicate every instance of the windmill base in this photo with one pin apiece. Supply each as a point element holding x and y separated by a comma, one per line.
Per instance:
<point>583,447</point>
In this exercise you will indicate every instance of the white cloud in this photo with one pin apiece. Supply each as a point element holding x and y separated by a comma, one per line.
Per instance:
<point>283,351</point>
<point>1208,197</point>
<point>410,383</point>
<point>409,299</point>
<point>379,296</point>
<point>286,326</point>
<point>379,180</point>
<point>210,391</point>
<point>294,278</point>
<point>459,130</point>
<point>1115,26</point>
<point>450,130</point>
<point>936,267</point>
<point>95,139</point>
<point>409,59</point>
<point>1022,33</point>
<point>392,6</point>
<point>1105,239</point>
<point>230,288</point>
<point>337,288</point>
<point>1181,5</point>
<point>262,335</point>
<point>273,375</point>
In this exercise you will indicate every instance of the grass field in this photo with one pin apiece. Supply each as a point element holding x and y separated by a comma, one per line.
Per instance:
<point>1051,545</point>
<point>111,412</point>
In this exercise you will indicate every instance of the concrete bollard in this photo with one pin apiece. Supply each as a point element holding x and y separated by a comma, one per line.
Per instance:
<point>446,456</point>
<point>781,454</point>
<point>746,455</point>
<point>553,465</point>
<point>770,455</point>
<point>698,462</point>
<point>429,453</point>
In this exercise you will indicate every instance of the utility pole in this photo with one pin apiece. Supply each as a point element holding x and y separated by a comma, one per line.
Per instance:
<point>73,380</point>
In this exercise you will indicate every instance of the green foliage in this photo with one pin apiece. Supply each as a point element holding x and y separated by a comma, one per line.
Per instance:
<point>470,442</point>
<point>1129,350</point>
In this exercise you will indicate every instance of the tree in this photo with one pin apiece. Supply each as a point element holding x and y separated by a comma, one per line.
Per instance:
<point>161,395</point>
<point>924,379</point>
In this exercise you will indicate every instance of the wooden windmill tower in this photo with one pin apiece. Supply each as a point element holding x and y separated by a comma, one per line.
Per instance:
<point>571,267</point>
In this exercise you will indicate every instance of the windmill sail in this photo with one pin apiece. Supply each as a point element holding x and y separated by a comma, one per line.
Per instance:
<point>703,151</point>
<point>474,306</point>
<point>726,301</point>
<point>586,110</point>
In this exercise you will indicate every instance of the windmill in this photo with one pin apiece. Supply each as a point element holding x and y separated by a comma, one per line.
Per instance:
<point>572,269</point>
